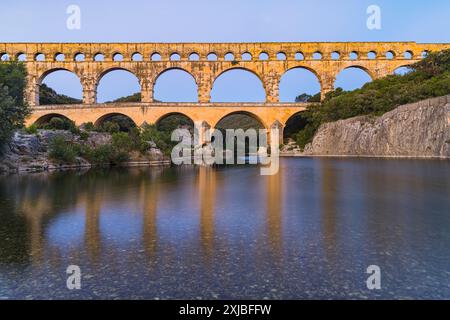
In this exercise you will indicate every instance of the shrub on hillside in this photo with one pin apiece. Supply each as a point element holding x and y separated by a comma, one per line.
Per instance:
<point>61,150</point>
<point>429,78</point>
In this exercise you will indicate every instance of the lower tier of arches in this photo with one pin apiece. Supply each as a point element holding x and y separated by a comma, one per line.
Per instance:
<point>266,114</point>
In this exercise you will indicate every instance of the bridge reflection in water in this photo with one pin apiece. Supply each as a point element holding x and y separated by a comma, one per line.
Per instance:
<point>228,232</point>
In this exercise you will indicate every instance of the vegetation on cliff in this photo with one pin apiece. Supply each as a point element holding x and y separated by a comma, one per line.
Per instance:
<point>428,78</point>
<point>49,96</point>
<point>13,109</point>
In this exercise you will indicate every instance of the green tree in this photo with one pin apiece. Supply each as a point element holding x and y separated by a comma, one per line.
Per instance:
<point>13,109</point>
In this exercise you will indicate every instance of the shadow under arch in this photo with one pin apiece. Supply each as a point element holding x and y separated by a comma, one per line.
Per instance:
<point>238,68</point>
<point>294,124</point>
<point>179,119</point>
<point>184,71</point>
<point>109,116</point>
<point>262,124</point>
<point>46,118</point>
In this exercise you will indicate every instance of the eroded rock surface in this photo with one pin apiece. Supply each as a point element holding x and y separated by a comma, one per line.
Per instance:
<point>420,129</point>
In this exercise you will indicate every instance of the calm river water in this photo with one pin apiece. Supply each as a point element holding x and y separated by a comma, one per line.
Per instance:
<point>309,232</point>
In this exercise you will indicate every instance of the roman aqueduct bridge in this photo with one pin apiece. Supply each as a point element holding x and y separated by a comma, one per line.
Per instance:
<point>205,62</point>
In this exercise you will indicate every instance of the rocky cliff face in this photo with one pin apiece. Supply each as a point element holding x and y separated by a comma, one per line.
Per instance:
<point>420,129</point>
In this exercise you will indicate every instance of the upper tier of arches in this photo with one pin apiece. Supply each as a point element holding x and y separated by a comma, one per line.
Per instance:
<point>201,84</point>
<point>143,52</point>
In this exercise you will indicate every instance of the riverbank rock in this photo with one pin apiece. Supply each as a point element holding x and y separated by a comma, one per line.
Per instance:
<point>29,152</point>
<point>420,129</point>
<point>25,152</point>
<point>97,139</point>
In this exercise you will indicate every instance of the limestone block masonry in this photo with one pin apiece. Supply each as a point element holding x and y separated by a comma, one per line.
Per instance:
<point>325,60</point>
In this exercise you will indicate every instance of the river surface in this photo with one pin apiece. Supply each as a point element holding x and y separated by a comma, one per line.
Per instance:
<point>310,231</point>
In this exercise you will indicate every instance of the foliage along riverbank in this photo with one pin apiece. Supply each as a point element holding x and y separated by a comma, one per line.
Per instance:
<point>60,145</point>
<point>428,78</point>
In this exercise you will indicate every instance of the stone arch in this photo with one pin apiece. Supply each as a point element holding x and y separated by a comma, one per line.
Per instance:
<point>118,57</point>
<point>249,70</point>
<point>212,56</point>
<point>67,84</point>
<point>59,57</point>
<point>263,56</point>
<point>156,56</point>
<point>174,68</point>
<point>21,56</point>
<point>175,56</point>
<point>79,56</point>
<point>404,66</point>
<point>49,71</point>
<point>372,55</point>
<point>99,57</point>
<point>243,112</point>
<point>105,72</point>
<point>365,70</point>
<point>155,80</point>
<point>137,56</point>
<point>102,119</point>
<point>293,124</point>
<point>175,113</point>
<point>4,56</point>
<point>357,66</point>
<point>40,57</point>
<point>408,55</point>
<point>246,56</point>
<point>312,70</point>
<point>229,56</point>
<point>194,56</point>
<point>46,118</point>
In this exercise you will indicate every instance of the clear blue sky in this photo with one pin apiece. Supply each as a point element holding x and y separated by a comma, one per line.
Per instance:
<point>221,21</point>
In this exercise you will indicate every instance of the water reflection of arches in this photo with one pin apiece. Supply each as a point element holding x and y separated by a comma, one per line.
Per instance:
<point>92,235</point>
<point>149,191</point>
<point>328,201</point>
<point>274,224</point>
<point>207,181</point>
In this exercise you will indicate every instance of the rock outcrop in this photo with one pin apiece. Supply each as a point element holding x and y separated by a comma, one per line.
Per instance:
<point>30,152</point>
<point>420,129</point>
